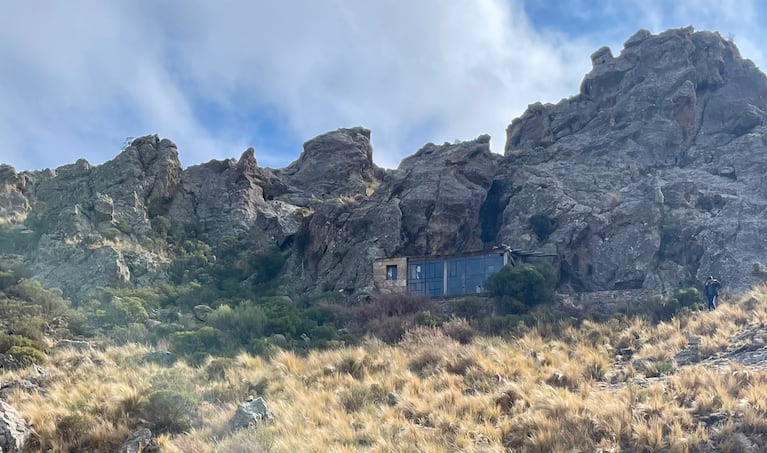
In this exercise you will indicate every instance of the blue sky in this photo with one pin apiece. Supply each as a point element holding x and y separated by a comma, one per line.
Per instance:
<point>80,76</point>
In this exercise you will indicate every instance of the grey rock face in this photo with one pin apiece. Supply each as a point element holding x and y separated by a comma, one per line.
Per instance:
<point>90,221</point>
<point>652,172</point>
<point>14,205</point>
<point>441,191</point>
<point>225,198</point>
<point>430,204</point>
<point>651,177</point>
<point>14,431</point>
<point>10,387</point>
<point>335,164</point>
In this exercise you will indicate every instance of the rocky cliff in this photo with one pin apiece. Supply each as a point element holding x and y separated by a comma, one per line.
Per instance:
<point>652,176</point>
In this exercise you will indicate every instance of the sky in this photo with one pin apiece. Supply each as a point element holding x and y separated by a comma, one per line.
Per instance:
<point>79,77</point>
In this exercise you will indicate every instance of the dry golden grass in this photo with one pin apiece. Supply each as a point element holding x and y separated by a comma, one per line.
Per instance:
<point>554,388</point>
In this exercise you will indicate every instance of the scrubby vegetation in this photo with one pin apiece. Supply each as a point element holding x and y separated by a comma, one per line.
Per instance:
<point>562,386</point>
<point>509,373</point>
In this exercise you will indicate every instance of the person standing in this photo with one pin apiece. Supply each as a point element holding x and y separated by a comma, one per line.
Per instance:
<point>711,288</point>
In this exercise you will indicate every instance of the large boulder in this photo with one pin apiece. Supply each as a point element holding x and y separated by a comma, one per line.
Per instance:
<point>140,441</point>
<point>249,413</point>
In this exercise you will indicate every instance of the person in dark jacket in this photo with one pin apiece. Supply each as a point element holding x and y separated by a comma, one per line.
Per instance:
<point>711,288</point>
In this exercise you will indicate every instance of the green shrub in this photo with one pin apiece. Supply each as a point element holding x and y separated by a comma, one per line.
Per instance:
<point>528,284</point>
<point>29,326</point>
<point>161,226</point>
<point>216,368</point>
<point>132,333</point>
<point>322,334</point>
<point>9,341</point>
<point>665,308</point>
<point>425,318</point>
<point>48,303</point>
<point>267,266</point>
<point>242,323</point>
<point>237,262</point>
<point>170,411</point>
<point>206,340</point>
<point>26,355</point>
<point>689,297</point>
<point>12,269</point>
<point>171,403</point>
<point>284,317</point>
<point>128,310</point>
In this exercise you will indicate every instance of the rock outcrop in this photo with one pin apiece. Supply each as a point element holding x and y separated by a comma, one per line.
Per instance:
<point>251,413</point>
<point>335,164</point>
<point>653,172</point>
<point>14,431</point>
<point>652,176</point>
<point>140,441</point>
<point>429,205</point>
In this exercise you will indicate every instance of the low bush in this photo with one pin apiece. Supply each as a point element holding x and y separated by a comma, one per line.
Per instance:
<point>26,355</point>
<point>25,351</point>
<point>665,308</point>
<point>201,342</point>
<point>171,403</point>
<point>525,283</point>
<point>471,307</point>
<point>504,325</point>
<point>459,329</point>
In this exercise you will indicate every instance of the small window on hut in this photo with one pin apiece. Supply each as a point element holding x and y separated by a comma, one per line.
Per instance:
<point>391,272</point>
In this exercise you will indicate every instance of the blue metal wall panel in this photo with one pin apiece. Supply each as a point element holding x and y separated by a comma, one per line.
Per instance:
<point>465,275</point>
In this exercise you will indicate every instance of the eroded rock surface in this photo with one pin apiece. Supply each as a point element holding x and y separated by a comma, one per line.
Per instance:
<point>651,177</point>
<point>653,172</point>
<point>14,431</point>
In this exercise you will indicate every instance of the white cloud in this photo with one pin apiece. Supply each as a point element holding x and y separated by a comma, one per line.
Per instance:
<point>412,72</point>
<point>81,75</point>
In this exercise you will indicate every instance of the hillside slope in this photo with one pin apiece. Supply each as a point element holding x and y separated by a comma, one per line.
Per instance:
<point>696,383</point>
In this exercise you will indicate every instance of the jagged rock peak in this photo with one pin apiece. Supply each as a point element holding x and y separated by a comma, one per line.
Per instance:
<point>672,78</point>
<point>341,141</point>
<point>458,153</point>
<point>248,162</point>
<point>149,148</point>
<point>149,166</point>
<point>7,174</point>
<point>334,164</point>
<point>249,156</point>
